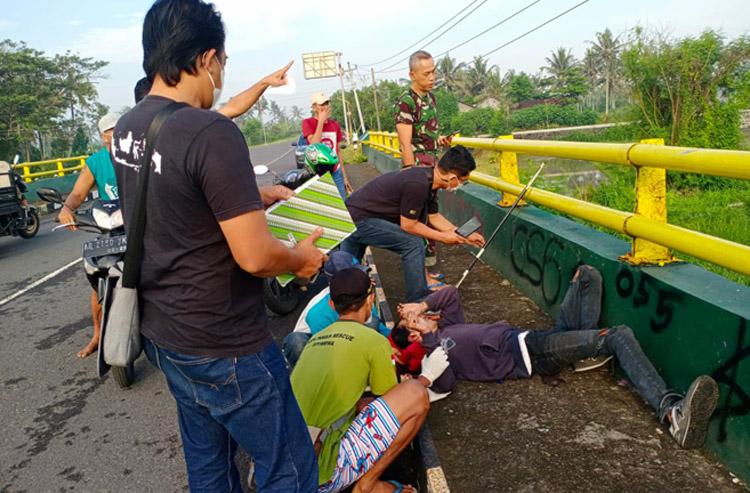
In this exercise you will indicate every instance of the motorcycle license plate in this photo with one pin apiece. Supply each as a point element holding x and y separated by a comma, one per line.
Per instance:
<point>105,246</point>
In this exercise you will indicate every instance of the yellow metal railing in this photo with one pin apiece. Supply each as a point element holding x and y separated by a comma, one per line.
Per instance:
<point>652,236</point>
<point>57,167</point>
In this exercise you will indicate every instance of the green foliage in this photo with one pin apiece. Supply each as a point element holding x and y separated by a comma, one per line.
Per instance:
<point>447,106</point>
<point>44,99</point>
<point>80,143</point>
<point>474,122</point>
<point>254,133</point>
<point>520,87</point>
<point>545,116</point>
<point>692,87</point>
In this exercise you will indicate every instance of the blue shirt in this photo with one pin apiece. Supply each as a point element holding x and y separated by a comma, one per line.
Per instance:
<point>100,165</point>
<point>321,315</point>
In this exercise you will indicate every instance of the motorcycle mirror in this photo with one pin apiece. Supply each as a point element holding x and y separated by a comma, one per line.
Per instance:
<point>15,159</point>
<point>260,170</point>
<point>49,195</point>
<point>294,143</point>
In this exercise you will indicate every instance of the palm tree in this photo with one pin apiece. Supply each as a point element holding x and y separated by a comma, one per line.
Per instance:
<point>590,68</point>
<point>477,75</point>
<point>607,50</point>
<point>449,72</point>
<point>296,113</point>
<point>559,66</point>
<point>276,112</point>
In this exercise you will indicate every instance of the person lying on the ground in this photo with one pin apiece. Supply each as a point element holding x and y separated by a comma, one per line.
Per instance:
<point>319,314</point>
<point>499,351</point>
<point>355,438</point>
<point>398,211</point>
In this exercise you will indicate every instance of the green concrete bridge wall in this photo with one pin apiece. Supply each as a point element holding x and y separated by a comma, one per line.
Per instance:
<point>688,320</point>
<point>62,183</point>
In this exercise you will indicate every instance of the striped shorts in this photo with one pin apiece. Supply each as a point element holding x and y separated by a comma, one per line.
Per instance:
<point>369,435</point>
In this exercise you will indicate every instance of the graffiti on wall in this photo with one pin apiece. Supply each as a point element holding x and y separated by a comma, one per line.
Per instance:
<point>640,288</point>
<point>534,256</point>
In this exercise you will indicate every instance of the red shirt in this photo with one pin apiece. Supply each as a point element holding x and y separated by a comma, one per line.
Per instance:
<point>331,136</point>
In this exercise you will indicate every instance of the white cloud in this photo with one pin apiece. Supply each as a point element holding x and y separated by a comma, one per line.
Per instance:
<point>75,23</point>
<point>5,23</point>
<point>115,44</point>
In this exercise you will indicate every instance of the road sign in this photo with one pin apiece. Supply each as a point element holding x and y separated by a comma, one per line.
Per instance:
<point>320,65</point>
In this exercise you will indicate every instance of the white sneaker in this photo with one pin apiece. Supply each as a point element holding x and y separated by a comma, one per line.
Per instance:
<point>591,363</point>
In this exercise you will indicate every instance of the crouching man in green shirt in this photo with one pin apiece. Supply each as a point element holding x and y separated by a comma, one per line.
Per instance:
<point>356,438</point>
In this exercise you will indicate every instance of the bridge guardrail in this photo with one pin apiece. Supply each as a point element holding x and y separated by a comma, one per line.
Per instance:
<point>58,168</point>
<point>652,237</point>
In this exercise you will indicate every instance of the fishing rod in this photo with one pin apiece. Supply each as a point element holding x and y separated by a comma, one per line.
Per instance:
<point>497,229</point>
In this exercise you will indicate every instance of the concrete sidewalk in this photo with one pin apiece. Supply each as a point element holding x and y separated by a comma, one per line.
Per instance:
<point>591,433</point>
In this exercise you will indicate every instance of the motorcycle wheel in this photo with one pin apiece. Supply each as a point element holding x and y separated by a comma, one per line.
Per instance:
<point>124,375</point>
<point>33,227</point>
<point>280,300</point>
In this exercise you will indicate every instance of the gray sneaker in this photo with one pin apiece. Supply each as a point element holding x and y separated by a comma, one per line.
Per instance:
<point>591,363</point>
<point>689,417</point>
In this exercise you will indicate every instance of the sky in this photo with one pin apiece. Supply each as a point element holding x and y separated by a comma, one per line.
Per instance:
<point>263,36</point>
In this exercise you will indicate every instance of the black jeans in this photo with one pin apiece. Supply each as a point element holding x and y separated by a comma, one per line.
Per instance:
<point>576,336</point>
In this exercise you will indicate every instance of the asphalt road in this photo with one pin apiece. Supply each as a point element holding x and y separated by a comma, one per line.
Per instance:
<point>64,429</point>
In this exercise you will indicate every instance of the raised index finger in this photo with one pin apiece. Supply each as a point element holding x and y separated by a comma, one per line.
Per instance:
<point>286,67</point>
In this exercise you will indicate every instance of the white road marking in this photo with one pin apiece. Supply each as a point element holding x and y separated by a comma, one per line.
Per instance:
<point>38,282</point>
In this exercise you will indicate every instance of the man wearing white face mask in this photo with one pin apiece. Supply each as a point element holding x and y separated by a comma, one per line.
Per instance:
<point>399,210</point>
<point>206,247</point>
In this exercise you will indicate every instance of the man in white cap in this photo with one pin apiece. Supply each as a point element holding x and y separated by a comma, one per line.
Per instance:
<point>322,128</point>
<point>97,171</point>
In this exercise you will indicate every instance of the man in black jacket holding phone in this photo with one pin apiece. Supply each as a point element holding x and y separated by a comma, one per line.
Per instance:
<point>398,211</point>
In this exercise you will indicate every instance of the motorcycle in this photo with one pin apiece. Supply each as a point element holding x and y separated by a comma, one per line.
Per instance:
<point>102,257</point>
<point>17,216</point>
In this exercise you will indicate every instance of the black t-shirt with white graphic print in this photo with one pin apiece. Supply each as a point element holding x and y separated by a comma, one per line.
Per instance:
<point>405,193</point>
<point>195,299</point>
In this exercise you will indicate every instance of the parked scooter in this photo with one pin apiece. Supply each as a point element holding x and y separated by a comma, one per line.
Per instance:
<point>17,216</point>
<point>101,257</point>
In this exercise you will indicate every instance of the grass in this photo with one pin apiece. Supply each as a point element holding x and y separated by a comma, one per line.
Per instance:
<point>721,212</point>
<point>350,155</point>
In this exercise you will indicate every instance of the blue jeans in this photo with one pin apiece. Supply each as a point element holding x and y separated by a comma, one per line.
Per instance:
<point>338,179</point>
<point>246,401</point>
<point>385,234</point>
<point>575,336</point>
<point>292,347</point>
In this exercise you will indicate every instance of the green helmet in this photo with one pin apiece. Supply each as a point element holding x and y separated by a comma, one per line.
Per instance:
<point>320,158</point>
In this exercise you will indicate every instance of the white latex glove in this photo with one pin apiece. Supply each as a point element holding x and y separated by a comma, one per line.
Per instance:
<point>434,365</point>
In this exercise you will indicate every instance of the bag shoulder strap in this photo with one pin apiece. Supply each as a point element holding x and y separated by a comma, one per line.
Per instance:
<point>134,253</point>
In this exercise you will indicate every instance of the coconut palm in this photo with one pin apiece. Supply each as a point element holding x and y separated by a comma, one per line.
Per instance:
<point>449,72</point>
<point>476,76</point>
<point>590,67</point>
<point>607,48</point>
<point>296,113</point>
<point>559,65</point>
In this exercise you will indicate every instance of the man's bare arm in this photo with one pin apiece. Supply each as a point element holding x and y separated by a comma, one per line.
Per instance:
<point>412,226</point>
<point>243,101</point>
<point>404,132</point>
<point>439,222</point>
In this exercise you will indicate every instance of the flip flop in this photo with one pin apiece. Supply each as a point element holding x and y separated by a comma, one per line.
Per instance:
<point>399,486</point>
<point>437,276</point>
<point>435,285</point>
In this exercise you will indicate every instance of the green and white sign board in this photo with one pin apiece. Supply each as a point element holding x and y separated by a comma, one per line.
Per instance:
<point>316,203</point>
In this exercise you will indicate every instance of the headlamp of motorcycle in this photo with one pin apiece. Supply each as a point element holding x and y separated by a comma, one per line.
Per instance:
<point>108,221</point>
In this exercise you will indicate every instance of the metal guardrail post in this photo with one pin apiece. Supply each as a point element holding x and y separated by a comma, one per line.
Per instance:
<point>508,172</point>
<point>650,203</point>
<point>60,169</point>
<point>27,174</point>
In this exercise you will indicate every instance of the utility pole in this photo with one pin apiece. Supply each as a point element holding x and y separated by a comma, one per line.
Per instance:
<point>356,99</point>
<point>375,96</point>
<point>343,98</point>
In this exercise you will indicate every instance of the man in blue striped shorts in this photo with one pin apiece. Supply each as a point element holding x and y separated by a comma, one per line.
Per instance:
<point>357,438</point>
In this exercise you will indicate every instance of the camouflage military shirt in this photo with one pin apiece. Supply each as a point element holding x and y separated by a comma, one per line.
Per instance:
<point>421,113</point>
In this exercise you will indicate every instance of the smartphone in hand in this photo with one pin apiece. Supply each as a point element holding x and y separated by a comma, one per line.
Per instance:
<point>469,227</point>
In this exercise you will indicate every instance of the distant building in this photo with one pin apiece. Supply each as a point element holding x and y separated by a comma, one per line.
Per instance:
<point>488,102</point>
<point>463,107</point>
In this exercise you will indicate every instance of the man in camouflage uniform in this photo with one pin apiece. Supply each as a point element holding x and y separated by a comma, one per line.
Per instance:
<point>416,115</point>
<point>418,129</point>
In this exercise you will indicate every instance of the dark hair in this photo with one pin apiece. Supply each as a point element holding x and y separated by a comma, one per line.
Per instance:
<point>348,306</point>
<point>141,90</point>
<point>459,160</point>
<point>175,33</point>
<point>400,336</point>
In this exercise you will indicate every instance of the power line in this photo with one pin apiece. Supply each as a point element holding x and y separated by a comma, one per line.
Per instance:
<point>534,29</point>
<point>512,40</point>
<point>421,39</point>
<point>439,35</point>
<point>488,29</point>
